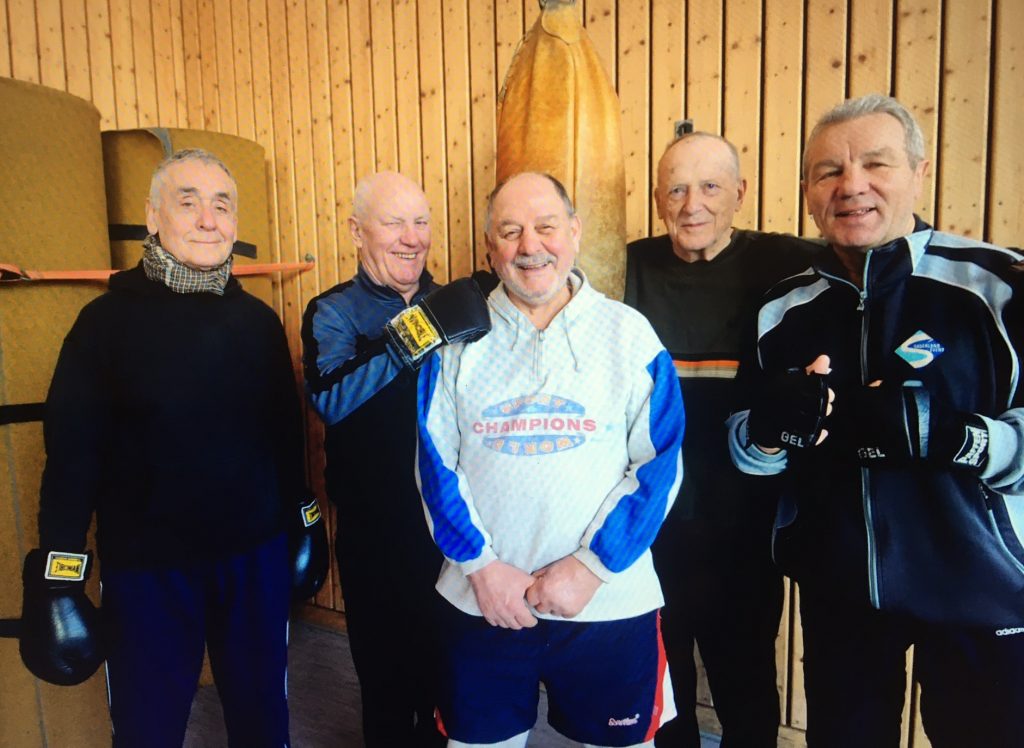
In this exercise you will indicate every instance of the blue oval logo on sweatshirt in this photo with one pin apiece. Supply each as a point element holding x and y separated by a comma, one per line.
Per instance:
<point>534,425</point>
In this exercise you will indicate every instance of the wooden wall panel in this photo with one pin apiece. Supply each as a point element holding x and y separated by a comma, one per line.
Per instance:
<point>742,89</point>
<point>76,48</point>
<point>51,45</point>
<point>917,75</point>
<point>668,89</point>
<point>704,66</point>
<point>483,115</point>
<point>781,123</point>
<point>963,144</point>
<point>335,89</point>
<point>1006,153</point>
<point>634,66</point>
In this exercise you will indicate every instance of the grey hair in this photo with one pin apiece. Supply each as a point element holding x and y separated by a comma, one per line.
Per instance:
<point>701,134</point>
<point>875,103</point>
<point>563,194</point>
<point>186,154</point>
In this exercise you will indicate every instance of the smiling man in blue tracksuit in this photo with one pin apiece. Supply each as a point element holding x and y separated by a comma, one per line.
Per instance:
<point>887,389</point>
<point>549,455</point>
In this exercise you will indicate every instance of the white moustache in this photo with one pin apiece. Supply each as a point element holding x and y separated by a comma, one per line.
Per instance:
<point>535,261</point>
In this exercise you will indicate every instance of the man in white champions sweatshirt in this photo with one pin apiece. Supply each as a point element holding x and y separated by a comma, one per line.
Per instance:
<point>549,454</point>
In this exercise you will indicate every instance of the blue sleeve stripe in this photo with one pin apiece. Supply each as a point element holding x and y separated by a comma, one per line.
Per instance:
<point>454,532</point>
<point>632,525</point>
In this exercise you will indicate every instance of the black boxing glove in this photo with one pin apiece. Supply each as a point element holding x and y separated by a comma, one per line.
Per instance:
<point>895,425</point>
<point>455,313</point>
<point>789,410</point>
<point>308,546</point>
<point>60,627</point>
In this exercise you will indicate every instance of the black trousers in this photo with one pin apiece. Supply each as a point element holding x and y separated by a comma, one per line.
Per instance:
<point>388,568</point>
<point>972,680</point>
<point>723,592</point>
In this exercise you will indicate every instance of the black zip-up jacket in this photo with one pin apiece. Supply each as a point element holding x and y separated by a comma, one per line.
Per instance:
<point>176,418</point>
<point>939,543</point>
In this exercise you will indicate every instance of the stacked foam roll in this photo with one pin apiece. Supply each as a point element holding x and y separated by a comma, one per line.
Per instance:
<point>129,158</point>
<point>53,218</point>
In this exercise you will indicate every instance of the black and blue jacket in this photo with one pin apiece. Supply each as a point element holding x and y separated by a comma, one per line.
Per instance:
<point>367,400</point>
<point>941,544</point>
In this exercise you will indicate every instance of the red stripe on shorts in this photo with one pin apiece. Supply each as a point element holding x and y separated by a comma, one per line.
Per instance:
<point>659,691</point>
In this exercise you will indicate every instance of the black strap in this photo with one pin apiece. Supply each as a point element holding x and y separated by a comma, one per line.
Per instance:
<point>10,628</point>
<point>24,413</point>
<point>126,232</point>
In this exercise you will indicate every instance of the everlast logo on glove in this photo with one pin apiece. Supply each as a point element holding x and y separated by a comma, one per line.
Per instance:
<point>310,513</point>
<point>974,451</point>
<point>65,567</point>
<point>416,332</point>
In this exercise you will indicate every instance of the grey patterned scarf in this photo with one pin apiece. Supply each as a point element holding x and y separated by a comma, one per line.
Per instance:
<point>163,267</point>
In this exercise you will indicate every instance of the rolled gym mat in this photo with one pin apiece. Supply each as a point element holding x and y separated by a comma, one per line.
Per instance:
<point>54,217</point>
<point>129,158</point>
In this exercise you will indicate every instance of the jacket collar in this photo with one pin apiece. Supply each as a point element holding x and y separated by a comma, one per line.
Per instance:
<point>883,265</point>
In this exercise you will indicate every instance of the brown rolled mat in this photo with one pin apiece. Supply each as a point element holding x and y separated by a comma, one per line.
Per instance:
<point>51,187</point>
<point>129,158</point>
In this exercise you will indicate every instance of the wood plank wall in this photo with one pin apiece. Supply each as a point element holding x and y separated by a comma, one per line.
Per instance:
<point>335,89</point>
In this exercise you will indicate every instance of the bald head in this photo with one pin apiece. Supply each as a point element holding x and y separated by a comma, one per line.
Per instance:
<point>699,191</point>
<point>390,227</point>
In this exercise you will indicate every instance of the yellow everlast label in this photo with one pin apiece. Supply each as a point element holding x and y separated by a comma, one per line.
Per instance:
<point>65,566</point>
<point>416,331</point>
<point>311,513</point>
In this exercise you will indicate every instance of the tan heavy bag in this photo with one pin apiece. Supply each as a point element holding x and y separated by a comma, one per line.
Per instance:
<point>559,114</point>
<point>53,218</point>
<point>129,158</point>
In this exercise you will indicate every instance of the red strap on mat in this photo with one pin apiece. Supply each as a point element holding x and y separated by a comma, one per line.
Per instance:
<point>14,273</point>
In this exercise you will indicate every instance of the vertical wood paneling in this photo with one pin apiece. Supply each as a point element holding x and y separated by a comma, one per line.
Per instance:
<point>825,45</point>
<point>124,64</point>
<point>704,66</point>
<point>224,49</point>
<point>382,37</point>
<point>300,290</point>
<point>668,86</point>
<point>964,134</point>
<point>601,27</point>
<point>341,137</point>
<point>1006,155</point>
<point>483,109</point>
<point>458,135</point>
<point>51,45</point>
<point>164,85</point>
<point>742,88</point>
<point>180,86</point>
<point>363,104</point>
<point>781,139</point>
<point>870,56</point>
<point>5,41</point>
<point>407,89</point>
<point>435,140</point>
<point>196,106</point>
<point>242,57</point>
<point>508,30</point>
<point>24,42</point>
<point>284,157</point>
<point>918,70</point>
<point>325,223</point>
<point>336,89</point>
<point>145,62</point>
<point>206,23</point>
<point>76,48</point>
<point>634,99</point>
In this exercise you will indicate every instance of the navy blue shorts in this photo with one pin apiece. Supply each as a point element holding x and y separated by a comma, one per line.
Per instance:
<point>607,681</point>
